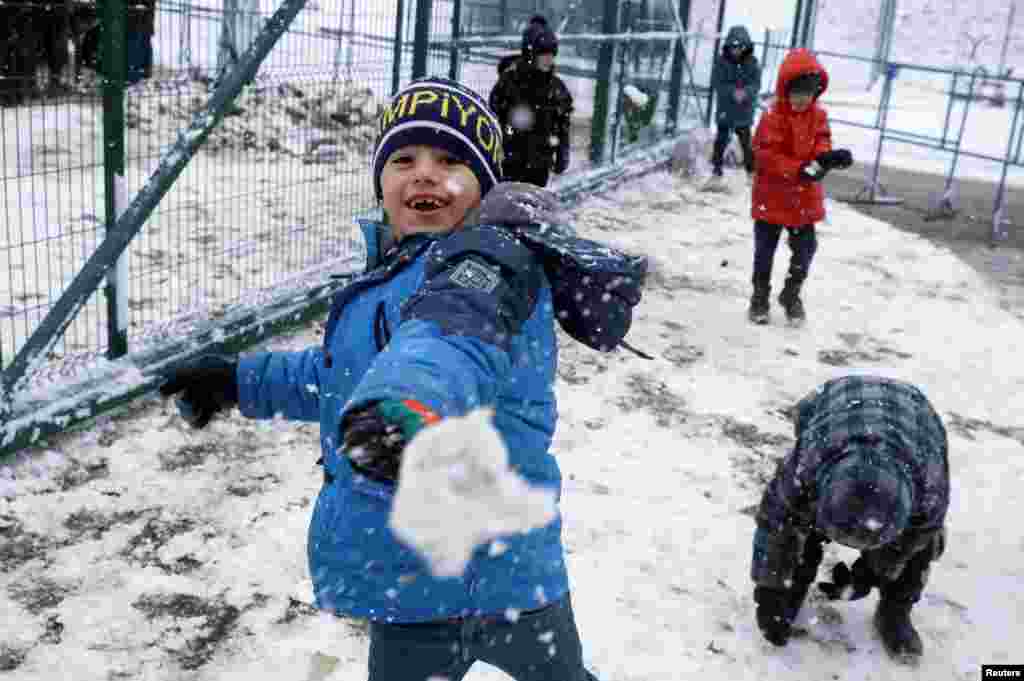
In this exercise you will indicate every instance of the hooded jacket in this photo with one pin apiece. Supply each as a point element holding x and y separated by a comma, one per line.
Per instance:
<point>784,141</point>
<point>537,138</point>
<point>410,327</point>
<point>730,76</point>
<point>892,418</point>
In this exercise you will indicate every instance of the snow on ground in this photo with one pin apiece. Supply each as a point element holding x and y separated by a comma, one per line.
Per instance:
<point>141,549</point>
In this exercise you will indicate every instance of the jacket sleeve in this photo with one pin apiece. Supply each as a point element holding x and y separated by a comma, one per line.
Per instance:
<point>451,348</point>
<point>281,383</point>
<point>563,122</point>
<point>780,534</point>
<point>754,84</point>
<point>889,561</point>
<point>768,145</point>
<point>822,133</point>
<point>500,97</point>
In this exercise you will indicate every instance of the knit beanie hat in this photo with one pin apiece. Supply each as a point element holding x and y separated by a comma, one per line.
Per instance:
<point>864,500</point>
<point>438,112</point>
<point>538,38</point>
<point>536,23</point>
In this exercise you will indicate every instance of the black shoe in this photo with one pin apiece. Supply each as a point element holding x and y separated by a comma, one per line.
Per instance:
<point>794,307</point>
<point>717,171</point>
<point>758,312</point>
<point>900,638</point>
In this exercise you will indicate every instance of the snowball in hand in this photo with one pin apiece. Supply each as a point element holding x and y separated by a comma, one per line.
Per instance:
<point>456,491</point>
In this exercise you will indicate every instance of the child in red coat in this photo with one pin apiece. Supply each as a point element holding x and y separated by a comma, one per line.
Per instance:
<point>793,152</point>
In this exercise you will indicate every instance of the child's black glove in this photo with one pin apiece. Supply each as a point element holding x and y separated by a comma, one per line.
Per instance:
<point>773,614</point>
<point>373,437</point>
<point>207,385</point>
<point>813,171</point>
<point>850,584</point>
<point>837,159</point>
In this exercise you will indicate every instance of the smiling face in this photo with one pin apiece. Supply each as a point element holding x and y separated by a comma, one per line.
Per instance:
<point>427,189</point>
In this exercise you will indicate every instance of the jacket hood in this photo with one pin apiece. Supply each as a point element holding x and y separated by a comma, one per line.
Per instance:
<point>738,35</point>
<point>797,63</point>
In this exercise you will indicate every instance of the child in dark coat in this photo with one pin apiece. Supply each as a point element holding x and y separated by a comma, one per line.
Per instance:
<point>535,109</point>
<point>870,471</point>
<point>793,152</point>
<point>456,311</point>
<point>736,80</point>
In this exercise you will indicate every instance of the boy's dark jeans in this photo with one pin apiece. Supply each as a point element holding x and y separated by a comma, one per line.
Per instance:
<point>803,242</point>
<point>541,645</point>
<point>722,141</point>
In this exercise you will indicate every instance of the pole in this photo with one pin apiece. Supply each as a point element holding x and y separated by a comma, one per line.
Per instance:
<point>794,36</point>
<point>718,46</point>
<point>678,57</point>
<point>997,210</point>
<point>114,66</point>
<point>453,66</point>
<point>1006,38</point>
<point>396,63</point>
<point>421,39</point>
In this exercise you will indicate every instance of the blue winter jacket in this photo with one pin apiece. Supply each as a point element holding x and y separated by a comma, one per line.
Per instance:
<point>455,321</point>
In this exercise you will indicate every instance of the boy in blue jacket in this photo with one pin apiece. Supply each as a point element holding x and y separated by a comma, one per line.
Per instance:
<point>450,315</point>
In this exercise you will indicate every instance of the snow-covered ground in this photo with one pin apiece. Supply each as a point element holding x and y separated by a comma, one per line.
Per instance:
<point>139,549</point>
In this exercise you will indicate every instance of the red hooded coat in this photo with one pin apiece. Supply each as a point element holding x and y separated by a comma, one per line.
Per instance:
<point>783,142</point>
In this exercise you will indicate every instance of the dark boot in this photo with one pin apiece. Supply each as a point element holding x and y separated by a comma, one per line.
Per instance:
<point>759,306</point>
<point>901,640</point>
<point>790,301</point>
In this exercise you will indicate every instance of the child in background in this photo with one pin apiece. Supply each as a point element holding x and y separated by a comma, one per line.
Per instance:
<point>535,109</point>
<point>870,471</point>
<point>736,80</point>
<point>793,152</point>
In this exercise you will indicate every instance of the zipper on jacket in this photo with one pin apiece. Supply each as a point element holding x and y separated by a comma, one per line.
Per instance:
<point>381,333</point>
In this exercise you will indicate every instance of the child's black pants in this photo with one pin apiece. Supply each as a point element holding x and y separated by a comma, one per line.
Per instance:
<point>803,243</point>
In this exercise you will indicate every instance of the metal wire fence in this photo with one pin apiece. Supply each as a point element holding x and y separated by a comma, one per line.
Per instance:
<point>187,161</point>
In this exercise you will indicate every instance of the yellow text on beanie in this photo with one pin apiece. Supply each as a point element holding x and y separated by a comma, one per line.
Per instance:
<point>438,112</point>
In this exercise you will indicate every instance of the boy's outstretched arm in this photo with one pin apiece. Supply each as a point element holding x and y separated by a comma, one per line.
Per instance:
<point>281,383</point>
<point>451,349</point>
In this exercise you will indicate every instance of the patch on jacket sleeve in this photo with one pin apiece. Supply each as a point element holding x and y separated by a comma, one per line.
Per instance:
<point>479,282</point>
<point>472,273</point>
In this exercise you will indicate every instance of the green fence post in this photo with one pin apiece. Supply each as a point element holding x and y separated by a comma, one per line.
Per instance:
<point>599,125</point>
<point>678,56</point>
<point>114,65</point>
<point>453,67</point>
<point>421,41</point>
<point>396,63</point>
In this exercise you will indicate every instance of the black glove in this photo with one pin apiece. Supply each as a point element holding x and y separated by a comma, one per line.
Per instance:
<point>207,385</point>
<point>837,159</point>
<point>562,158</point>
<point>521,203</point>
<point>374,436</point>
<point>813,171</point>
<point>773,618</point>
<point>850,584</point>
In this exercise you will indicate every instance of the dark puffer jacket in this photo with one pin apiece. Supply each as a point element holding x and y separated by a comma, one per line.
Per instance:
<point>545,96</point>
<point>730,75</point>
<point>893,417</point>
